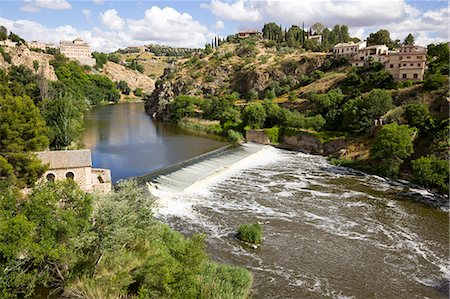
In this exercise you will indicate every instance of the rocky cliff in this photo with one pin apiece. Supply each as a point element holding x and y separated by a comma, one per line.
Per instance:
<point>246,69</point>
<point>21,55</point>
<point>134,79</point>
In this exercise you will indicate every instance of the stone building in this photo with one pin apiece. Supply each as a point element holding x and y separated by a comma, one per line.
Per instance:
<point>77,49</point>
<point>317,38</point>
<point>40,45</point>
<point>75,165</point>
<point>249,33</point>
<point>348,50</point>
<point>377,53</point>
<point>407,63</point>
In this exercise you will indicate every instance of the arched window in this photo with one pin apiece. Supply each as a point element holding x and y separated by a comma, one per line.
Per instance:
<point>70,175</point>
<point>50,177</point>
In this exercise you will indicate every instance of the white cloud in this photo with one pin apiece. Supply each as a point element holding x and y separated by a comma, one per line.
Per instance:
<point>169,26</point>
<point>219,25</point>
<point>240,10</point>
<point>86,13</point>
<point>111,20</point>
<point>98,1</point>
<point>37,5</point>
<point>362,16</point>
<point>163,26</point>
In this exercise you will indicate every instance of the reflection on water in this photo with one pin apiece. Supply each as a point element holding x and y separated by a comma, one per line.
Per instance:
<point>126,140</point>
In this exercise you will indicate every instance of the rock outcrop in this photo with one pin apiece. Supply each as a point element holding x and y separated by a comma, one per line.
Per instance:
<point>134,79</point>
<point>21,55</point>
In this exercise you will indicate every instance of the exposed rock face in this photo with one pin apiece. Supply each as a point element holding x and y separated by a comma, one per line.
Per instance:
<point>134,79</point>
<point>21,55</point>
<point>165,91</point>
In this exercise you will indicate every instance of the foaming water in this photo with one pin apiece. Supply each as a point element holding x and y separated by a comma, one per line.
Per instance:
<point>330,231</point>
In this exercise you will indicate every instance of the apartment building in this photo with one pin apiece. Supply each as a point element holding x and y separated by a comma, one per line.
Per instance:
<point>376,53</point>
<point>348,50</point>
<point>407,63</point>
<point>77,49</point>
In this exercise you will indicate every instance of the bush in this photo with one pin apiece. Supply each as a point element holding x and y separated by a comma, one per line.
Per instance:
<point>138,92</point>
<point>234,136</point>
<point>418,115</point>
<point>273,134</point>
<point>292,96</point>
<point>435,81</point>
<point>251,233</point>
<point>391,146</point>
<point>5,55</point>
<point>431,171</point>
<point>254,115</point>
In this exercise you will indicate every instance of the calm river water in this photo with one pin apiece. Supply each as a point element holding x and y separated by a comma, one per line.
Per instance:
<point>330,232</point>
<point>126,140</point>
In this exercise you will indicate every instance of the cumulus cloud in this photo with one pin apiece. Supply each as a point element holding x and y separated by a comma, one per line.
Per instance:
<point>37,5</point>
<point>111,20</point>
<point>162,26</point>
<point>362,17</point>
<point>169,26</point>
<point>240,10</point>
<point>98,1</point>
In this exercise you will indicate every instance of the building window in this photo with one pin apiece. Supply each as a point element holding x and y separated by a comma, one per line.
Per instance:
<point>408,57</point>
<point>404,64</point>
<point>404,76</point>
<point>419,57</point>
<point>418,64</point>
<point>401,57</point>
<point>412,64</point>
<point>416,76</point>
<point>70,175</point>
<point>391,66</point>
<point>50,177</point>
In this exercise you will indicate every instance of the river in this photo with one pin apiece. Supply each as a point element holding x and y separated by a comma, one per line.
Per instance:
<point>330,232</point>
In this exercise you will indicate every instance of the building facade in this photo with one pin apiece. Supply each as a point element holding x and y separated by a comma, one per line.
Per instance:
<point>77,49</point>
<point>249,33</point>
<point>75,165</point>
<point>407,63</point>
<point>376,53</point>
<point>348,50</point>
<point>317,38</point>
<point>41,45</point>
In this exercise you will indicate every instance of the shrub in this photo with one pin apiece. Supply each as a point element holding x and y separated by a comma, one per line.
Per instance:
<point>138,92</point>
<point>251,233</point>
<point>292,96</point>
<point>431,171</point>
<point>234,136</point>
<point>418,115</point>
<point>435,81</point>
<point>391,146</point>
<point>273,134</point>
<point>5,55</point>
<point>35,65</point>
<point>254,115</point>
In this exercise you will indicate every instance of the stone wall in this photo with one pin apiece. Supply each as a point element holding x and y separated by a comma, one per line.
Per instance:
<point>82,176</point>
<point>257,136</point>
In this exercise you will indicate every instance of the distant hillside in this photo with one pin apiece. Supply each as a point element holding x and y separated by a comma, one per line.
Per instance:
<point>249,68</point>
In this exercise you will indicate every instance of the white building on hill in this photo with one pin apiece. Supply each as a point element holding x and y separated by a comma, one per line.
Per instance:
<point>77,49</point>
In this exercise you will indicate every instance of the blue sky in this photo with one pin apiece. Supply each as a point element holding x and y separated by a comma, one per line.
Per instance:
<point>108,25</point>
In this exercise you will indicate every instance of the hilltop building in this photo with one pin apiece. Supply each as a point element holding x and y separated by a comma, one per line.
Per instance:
<point>377,53</point>
<point>408,63</point>
<point>249,33</point>
<point>75,165</point>
<point>77,49</point>
<point>41,45</point>
<point>348,50</point>
<point>317,38</point>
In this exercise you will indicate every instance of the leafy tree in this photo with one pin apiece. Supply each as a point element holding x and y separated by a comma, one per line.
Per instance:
<point>382,37</point>
<point>123,87</point>
<point>230,119</point>
<point>274,115</point>
<point>138,92</point>
<point>208,49</point>
<point>254,115</point>
<point>15,38</point>
<point>272,31</point>
<point>435,81</point>
<point>318,28</point>
<point>409,40</point>
<point>114,57</point>
<point>431,171</point>
<point>100,59</point>
<point>391,146</point>
<point>419,116</point>
<point>438,61</point>
<point>64,118</point>
<point>22,127</point>
<point>294,36</point>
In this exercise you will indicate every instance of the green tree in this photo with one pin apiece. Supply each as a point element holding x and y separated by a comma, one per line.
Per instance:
<point>409,40</point>
<point>254,115</point>
<point>431,171</point>
<point>100,59</point>
<point>418,115</point>
<point>272,31</point>
<point>382,37</point>
<point>393,144</point>
<point>64,118</point>
<point>438,61</point>
<point>231,118</point>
